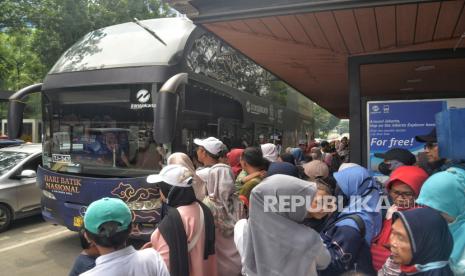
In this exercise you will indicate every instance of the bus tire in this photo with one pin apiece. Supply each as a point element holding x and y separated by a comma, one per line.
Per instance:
<point>5,217</point>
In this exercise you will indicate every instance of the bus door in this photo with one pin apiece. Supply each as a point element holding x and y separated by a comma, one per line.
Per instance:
<point>227,131</point>
<point>263,133</point>
<point>195,125</point>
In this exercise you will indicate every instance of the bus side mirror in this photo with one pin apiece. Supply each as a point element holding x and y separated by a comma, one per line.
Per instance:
<point>16,109</point>
<point>166,110</point>
<point>15,119</point>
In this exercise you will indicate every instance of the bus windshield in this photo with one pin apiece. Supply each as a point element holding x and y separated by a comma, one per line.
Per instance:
<point>105,131</point>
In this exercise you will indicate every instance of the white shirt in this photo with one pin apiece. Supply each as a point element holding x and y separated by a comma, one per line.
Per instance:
<point>240,239</point>
<point>128,262</point>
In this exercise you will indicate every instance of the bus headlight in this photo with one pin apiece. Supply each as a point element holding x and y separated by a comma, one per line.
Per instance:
<point>48,194</point>
<point>144,205</point>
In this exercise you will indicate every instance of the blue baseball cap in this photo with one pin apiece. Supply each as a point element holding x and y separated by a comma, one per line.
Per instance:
<point>106,210</point>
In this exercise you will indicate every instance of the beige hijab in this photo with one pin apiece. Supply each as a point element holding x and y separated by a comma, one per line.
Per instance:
<point>182,159</point>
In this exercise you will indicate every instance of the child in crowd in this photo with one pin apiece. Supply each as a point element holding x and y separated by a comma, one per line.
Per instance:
<point>86,260</point>
<point>107,224</point>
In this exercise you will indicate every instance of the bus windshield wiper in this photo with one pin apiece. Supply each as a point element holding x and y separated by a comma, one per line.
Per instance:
<point>149,30</point>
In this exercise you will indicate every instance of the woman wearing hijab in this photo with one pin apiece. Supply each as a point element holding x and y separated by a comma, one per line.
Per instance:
<point>274,242</point>
<point>348,233</point>
<point>198,185</point>
<point>403,187</point>
<point>234,159</point>
<point>224,204</point>
<point>317,219</point>
<point>445,192</point>
<point>421,242</point>
<point>270,152</point>
<point>185,237</point>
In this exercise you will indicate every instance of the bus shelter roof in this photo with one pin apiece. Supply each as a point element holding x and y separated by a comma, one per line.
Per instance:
<point>308,43</point>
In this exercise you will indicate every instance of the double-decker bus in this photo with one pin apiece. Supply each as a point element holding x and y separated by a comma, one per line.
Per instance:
<point>123,97</point>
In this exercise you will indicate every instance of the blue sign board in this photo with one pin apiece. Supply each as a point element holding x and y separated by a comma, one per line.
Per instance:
<point>394,124</point>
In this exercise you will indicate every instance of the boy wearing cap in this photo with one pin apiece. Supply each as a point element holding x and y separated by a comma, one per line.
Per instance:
<point>107,223</point>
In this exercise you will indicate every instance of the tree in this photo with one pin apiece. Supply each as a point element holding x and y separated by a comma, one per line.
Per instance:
<point>19,64</point>
<point>55,25</point>
<point>14,14</point>
<point>34,33</point>
<point>343,126</point>
<point>63,22</point>
<point>324,121</point>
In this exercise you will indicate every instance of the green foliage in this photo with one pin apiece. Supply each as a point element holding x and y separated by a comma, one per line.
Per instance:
<point>343,126</point>
<point>34,33</point>
<point>324,121</point>
<point>63,22</point>
<point>19,64</point>
<point>14,14</point>
<point>44,29</point>
<point>279,91</point>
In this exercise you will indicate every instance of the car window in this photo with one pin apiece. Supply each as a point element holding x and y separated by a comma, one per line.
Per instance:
<point>33,163</point>
<point>8,159</point>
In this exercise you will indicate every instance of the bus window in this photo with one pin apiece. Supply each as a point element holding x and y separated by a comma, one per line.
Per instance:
<point>99,131</point>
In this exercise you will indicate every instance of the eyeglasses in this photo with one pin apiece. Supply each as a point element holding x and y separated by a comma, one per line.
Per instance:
<point>430,145</point>
<point>402,194</point>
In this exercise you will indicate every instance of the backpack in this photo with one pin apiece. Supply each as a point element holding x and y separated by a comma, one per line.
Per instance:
<point>356,218</point>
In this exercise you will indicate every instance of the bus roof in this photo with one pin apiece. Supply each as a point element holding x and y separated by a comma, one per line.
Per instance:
<point>126,45</point>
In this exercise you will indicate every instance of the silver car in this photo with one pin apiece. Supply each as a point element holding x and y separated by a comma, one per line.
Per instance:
<point>19,193</point>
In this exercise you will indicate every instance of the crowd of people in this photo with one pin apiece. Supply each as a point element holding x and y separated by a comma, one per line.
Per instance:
<point>304,211</point>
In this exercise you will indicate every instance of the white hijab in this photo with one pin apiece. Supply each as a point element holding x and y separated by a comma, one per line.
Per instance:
<point>276,242</point>
<point>270,152</point>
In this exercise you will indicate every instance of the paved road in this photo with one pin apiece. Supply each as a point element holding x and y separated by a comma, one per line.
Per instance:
<point>33,247</point>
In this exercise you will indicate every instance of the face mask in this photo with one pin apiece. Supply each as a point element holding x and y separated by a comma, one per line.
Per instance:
<point>384,168</point>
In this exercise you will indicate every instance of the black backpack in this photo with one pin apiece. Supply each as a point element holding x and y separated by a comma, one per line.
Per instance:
<point>358,220</point>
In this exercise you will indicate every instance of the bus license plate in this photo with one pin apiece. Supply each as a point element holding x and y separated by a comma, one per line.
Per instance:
<point>77,221</point>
